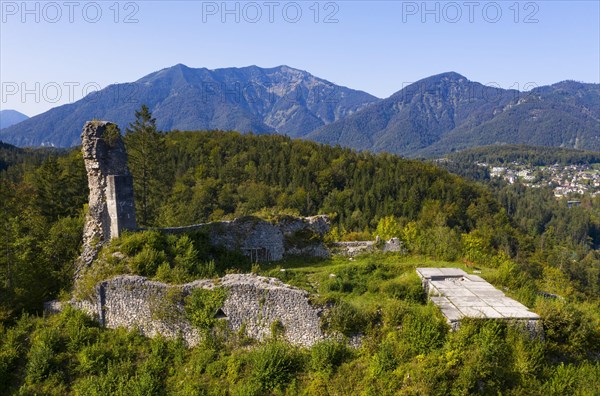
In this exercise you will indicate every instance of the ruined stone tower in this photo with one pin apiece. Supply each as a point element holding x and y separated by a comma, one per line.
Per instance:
<point>111,206</point>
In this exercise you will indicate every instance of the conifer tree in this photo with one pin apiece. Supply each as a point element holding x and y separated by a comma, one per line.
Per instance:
<point>145,145</point>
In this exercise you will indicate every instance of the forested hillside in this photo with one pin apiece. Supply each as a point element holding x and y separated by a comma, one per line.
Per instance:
<point>526,155</point>
<point>445,113</point>
<point>207,176</point>
<point>228,174</point>
<point>565,114</point>
<point>523,240</point>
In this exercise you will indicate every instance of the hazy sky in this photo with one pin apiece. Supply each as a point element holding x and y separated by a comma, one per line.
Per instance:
<point>52,53</point>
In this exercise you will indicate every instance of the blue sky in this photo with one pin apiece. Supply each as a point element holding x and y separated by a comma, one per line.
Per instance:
<point>52,53</point>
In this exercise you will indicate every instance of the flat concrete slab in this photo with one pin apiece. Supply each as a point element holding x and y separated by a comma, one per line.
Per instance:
<point>460,295</point>
<point>451,272</point>
<point>475,278</point>
<point>439,300</point>
<point>430,272</point>
<point>451,313</point>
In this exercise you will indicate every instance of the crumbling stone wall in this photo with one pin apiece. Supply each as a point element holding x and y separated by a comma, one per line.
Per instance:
<point>111,207</point>
<point>267,241</point>
<point>359,247</point>
<point>253,303</point>
<point>251,236</point>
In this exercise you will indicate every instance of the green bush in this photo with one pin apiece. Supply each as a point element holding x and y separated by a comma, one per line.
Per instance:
<point>93,359</point>
<point>207,269</point>
<point>147,261</point>
<point>570,333</point>
<point>393,312</point>
<point>12,348</point>
<point>423,330</point>
<point>485,356</point>
<point>405,288</point>
<point>387,357</point>
<point>201,307</point>
<point>326,355</point>
<point>186,256</point>
<point>344,318</point>
<point>273,365</point>
<point>42,359</point>
<point>133,243</point>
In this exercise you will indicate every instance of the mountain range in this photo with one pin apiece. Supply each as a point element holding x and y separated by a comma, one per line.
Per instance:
<point>275,100</point>
<point>431,117</point>
<point>447,113</point>
<point>10,118</point>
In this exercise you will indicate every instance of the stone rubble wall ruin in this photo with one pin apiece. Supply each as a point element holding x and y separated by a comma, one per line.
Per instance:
<point>253,304</point>
<point>111,207</point>
<point>359,247</point>
<point>263,240</point>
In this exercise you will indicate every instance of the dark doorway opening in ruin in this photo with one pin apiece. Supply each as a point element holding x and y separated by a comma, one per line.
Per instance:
<point>220,314</point>
<point>258,254</point>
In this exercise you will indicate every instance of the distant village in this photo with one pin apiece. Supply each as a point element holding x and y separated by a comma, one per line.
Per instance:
<point>566,180</point>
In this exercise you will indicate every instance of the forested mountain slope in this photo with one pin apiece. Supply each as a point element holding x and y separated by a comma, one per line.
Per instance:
<point>534,247</point>
<point>447,112</point>
<point>261,100</point>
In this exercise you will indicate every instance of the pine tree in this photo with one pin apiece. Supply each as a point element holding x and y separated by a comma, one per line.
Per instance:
<point>145,146</point>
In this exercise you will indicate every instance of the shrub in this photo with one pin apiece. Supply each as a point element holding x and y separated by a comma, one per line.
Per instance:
<point>186,255</point>
<point>357,236</point>
<point>11,349</point>
<point>389,227</point>
<point>569,332</point>
<point>345,319</point>
<point>147,261</point>
<point>406,288</point>
<point>387,357</point>
<point>202,305</point>
<point>41,357</point>
<point>133,243</point>
<point>423,331</point>
<point>273,365</point>
<point>486,357</point>
<point>326,355</point>
<point>277,329</point>
<point>176,275</point>
<point>207,269</point>
<point>93,359</point>
<point>393,312</point>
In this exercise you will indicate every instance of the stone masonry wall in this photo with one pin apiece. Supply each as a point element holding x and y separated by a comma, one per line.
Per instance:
<point>252,302</point>
<point>112,209</point>
<point>264,240</point>
<point>359,247</point>
<point>110,200</point>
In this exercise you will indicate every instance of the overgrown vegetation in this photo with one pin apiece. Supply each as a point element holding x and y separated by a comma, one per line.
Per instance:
<point>526,155</point>
<point>526,242</point>
<point>201,307</point>
<point>406,348</point>
<point>165,257</point>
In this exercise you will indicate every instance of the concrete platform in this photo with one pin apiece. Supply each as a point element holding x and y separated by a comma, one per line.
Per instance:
<point>460,295</point>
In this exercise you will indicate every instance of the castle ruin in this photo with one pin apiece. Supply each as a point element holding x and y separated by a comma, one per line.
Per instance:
<point>111,207</point>
<point>253,303</point>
